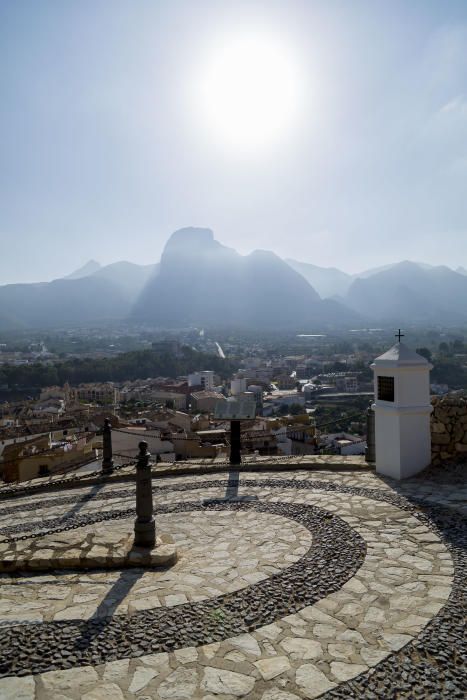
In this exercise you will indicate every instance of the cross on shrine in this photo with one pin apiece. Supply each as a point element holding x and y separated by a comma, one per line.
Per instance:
<point>400,335</point>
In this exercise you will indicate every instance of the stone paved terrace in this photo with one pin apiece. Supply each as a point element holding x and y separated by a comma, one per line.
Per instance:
<point>335,583</point>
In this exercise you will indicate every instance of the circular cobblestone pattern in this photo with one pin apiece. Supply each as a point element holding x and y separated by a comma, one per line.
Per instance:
<point>375,608</point>
<point>334,556</point>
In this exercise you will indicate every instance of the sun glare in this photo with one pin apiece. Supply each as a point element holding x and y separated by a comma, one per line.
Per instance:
<point>248,91</point>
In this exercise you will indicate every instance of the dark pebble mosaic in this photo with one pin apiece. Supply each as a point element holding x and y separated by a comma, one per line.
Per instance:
<point>335,555</point>
<point>432,667</point>
<point>400,501</point>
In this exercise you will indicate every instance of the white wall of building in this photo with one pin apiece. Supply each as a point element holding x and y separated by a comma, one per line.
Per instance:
<point>127,442</point>
<point>402,425</point>
<point>205,378</point>
<point>238,386</point>
<point>355,448</point>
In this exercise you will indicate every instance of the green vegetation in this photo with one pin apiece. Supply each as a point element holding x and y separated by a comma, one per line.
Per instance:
<point>218,614</point>
<point>424,352</point>
<point>450,371</point>
<point>294,409</point>
<point>127,366</point>
<point>346,415</point>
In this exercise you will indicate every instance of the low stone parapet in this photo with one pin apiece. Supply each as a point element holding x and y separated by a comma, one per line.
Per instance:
<point>250,463</point>
<point>449,429</point>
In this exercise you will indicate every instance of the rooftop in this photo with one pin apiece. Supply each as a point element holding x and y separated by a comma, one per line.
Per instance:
<point>400,355</point>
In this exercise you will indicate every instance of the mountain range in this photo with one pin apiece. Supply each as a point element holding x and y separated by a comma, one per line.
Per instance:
<point>202,282</point>
<point>407,292</point>
<point>199,281</point>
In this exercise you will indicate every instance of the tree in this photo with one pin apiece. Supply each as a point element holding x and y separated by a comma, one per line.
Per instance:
<point>424,352</point>
<point>449,371</point>
<point>295,409</point>
<point>137,364</point>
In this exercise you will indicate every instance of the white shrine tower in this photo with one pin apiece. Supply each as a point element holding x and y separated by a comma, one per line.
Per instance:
<point>402,412</point>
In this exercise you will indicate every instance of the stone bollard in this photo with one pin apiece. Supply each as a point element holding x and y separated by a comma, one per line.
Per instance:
<point>107,461</point>
<point>145,527</point>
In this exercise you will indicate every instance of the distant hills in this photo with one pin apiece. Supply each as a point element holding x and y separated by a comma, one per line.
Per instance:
<point>130,278</point>
<point>71,302</point>
<point>88,269</point>
<point>401,292</point>
<point>329,282</point>
<point>334,283</point>
<point>409,292</point>
<point>199,281</point>
<point>202,282</point>
<point>91,295</point>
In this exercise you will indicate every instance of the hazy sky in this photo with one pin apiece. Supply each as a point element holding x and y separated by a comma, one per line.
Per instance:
<point>109,140</point>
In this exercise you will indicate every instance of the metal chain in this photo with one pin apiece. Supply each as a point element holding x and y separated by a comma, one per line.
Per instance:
<point>114,515</point>
<point>340,420</point>
<point>7,493</point>
<point>97,518</point>
<point>91,520</point>
<point>76,479</point>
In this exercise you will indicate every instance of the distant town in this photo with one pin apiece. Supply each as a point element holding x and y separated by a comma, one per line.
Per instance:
<point>311,392</point>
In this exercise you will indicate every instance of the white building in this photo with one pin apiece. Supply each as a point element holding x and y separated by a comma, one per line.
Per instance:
<point>126,442</point>
<point>347,383</point>
<point>104,392</point>
<point>282,398</point>
<point>344,443</point>
<point>205,378</point>
<point>402,412</point>
<point>238,386</point>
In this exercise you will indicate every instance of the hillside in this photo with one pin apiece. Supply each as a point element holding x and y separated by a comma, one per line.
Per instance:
<point>408,292</point>
<point>202,282</point>
<point>328,281</point>
<point>66,302</point>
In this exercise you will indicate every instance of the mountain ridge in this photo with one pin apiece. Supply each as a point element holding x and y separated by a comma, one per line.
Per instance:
<point>85,270</point>
<point>408,292</point>
<point>200,281</point>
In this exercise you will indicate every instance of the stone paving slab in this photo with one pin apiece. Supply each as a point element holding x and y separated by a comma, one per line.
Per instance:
<point>109,496</point>
<point>116,494</point>
<point>393,629</point>
<point>217,553</point>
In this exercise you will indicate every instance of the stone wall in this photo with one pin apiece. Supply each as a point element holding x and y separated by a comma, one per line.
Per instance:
<point>449,429</point>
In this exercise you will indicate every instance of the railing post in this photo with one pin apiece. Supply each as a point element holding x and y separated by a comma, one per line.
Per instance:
<point>231,492</point>
<point>107,461</point>
<point>235,442</point>
<point>370,452</point>
<point>145,526</point>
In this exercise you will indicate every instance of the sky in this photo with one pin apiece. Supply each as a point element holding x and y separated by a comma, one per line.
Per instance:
<point>332,132</point>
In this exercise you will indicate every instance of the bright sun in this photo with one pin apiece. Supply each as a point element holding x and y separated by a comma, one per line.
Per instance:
<point>248,91</point>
